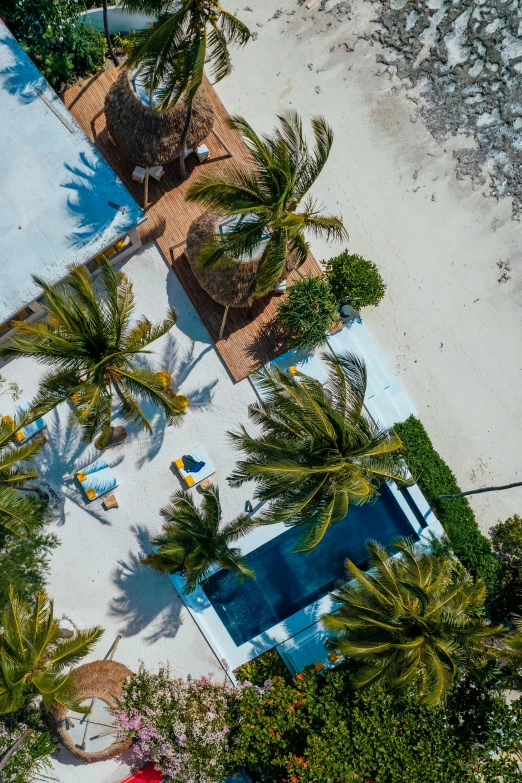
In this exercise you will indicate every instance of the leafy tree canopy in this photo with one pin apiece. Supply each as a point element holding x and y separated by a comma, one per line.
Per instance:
<point>315,729</point>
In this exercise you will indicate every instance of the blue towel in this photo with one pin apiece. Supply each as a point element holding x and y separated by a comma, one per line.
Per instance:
<point>191,465</point>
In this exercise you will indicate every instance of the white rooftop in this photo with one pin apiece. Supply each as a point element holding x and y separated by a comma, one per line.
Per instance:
<point>59,199</point>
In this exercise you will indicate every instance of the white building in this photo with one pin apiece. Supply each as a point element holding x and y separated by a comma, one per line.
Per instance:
<point>60,202</point>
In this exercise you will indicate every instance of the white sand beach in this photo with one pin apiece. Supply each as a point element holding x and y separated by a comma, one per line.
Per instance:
<point>451,331</point>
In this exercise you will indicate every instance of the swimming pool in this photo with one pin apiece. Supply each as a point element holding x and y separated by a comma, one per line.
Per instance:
<point>287,581</point>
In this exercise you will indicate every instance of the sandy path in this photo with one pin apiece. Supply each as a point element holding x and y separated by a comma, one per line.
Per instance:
<point>450,330</point>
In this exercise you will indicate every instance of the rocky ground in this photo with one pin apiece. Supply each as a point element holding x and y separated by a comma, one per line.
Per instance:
<point>465,59</point>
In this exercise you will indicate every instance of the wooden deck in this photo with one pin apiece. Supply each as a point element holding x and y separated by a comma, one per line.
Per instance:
<point>251,337</point>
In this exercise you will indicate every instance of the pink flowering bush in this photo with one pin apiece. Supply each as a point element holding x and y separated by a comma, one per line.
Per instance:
<point>181,725</point>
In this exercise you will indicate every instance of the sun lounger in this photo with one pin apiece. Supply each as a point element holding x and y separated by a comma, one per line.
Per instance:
<point>190,477</point>
<point>25,433</point>
<point>97,479</point>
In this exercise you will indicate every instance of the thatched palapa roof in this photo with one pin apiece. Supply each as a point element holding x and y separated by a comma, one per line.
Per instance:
<point>232,284</point>
<point>99,680</point>
<point>151,138</point>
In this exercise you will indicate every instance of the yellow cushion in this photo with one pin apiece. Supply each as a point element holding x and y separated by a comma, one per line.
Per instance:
<point>81,476</point>
<point>293,370</point>
<point>20,436</point>
<point>7,420</point>
<point>120,244</point>
<point>319,666</point>
<point>91,494</point>
<point>109,252</point>
<point>333,657</point>
<point>178,463</point>
<point>189,481</point>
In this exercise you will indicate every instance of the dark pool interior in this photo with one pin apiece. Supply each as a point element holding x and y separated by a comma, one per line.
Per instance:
<point>287,581</point>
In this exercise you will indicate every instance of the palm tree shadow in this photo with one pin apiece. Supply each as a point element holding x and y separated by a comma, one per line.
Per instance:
<point>86,202</point>
<point>145,600</point>
<point>59,460</point>
<point>269,342</point>
<point>198,398</point>
<point>21,79</point>
<point>179,368</point>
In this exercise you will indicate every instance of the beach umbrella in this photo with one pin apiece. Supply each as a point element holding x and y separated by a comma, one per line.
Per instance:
<point>151,138</point>
<point>230,283</point>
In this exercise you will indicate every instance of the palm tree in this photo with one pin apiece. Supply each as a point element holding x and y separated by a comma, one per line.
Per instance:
<point>108,34</point>
<point>92,345</point>
<point>19,513</point>
<point>412,620</point>
<point>192,539</point>
<point>34,659</point>
<point>318,451</point>
<point>171,54</point>
<point>266,199</point>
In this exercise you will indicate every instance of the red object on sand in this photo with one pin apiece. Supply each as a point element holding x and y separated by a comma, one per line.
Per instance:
<point>146,775</point>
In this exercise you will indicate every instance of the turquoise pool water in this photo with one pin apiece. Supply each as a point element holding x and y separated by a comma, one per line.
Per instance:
<point>286,582</point>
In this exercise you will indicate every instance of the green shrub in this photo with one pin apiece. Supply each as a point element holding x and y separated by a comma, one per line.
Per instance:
<point>62,49</point>
<point>456,516</point>
<point>507,545</point>
<point>263,668</point>
<point>352,277</point>
<point>24,562</point>
<point>31,762</point>
<point>307,313</point>
<point>315,729</point>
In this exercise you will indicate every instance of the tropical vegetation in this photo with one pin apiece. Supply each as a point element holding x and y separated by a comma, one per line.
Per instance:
<point>24,560</point>
<point>316,451</point>
<point>32,760</point>
<point>411,621</point>
<point>314,728</point>
<point>62,48</point>
<point>308,313</point>
<point>434,477</point>
<point>35,659</point>
<point>180,725</point>
<point>172,53</point>
<point>20,512</point>
<point>354,280</point>
<point>93,347</point>
<point>507,546</point>
<point>194,540</point>
<point>266,200</point>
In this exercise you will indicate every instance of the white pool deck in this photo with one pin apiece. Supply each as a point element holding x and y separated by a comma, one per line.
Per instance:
<point>95,574</point>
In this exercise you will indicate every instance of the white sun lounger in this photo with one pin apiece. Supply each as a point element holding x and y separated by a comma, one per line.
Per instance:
<point>97,478</point>
<point>190,478</point>
<point>25,433</point>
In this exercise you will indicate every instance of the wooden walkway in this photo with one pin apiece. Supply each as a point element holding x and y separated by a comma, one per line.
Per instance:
<point>251,337</point>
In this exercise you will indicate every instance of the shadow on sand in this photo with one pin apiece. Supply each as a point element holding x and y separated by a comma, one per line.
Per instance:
<point>145,598</point>
<point>60,459</point>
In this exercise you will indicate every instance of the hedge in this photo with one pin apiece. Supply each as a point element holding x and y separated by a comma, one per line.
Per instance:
<point>434,478</point>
